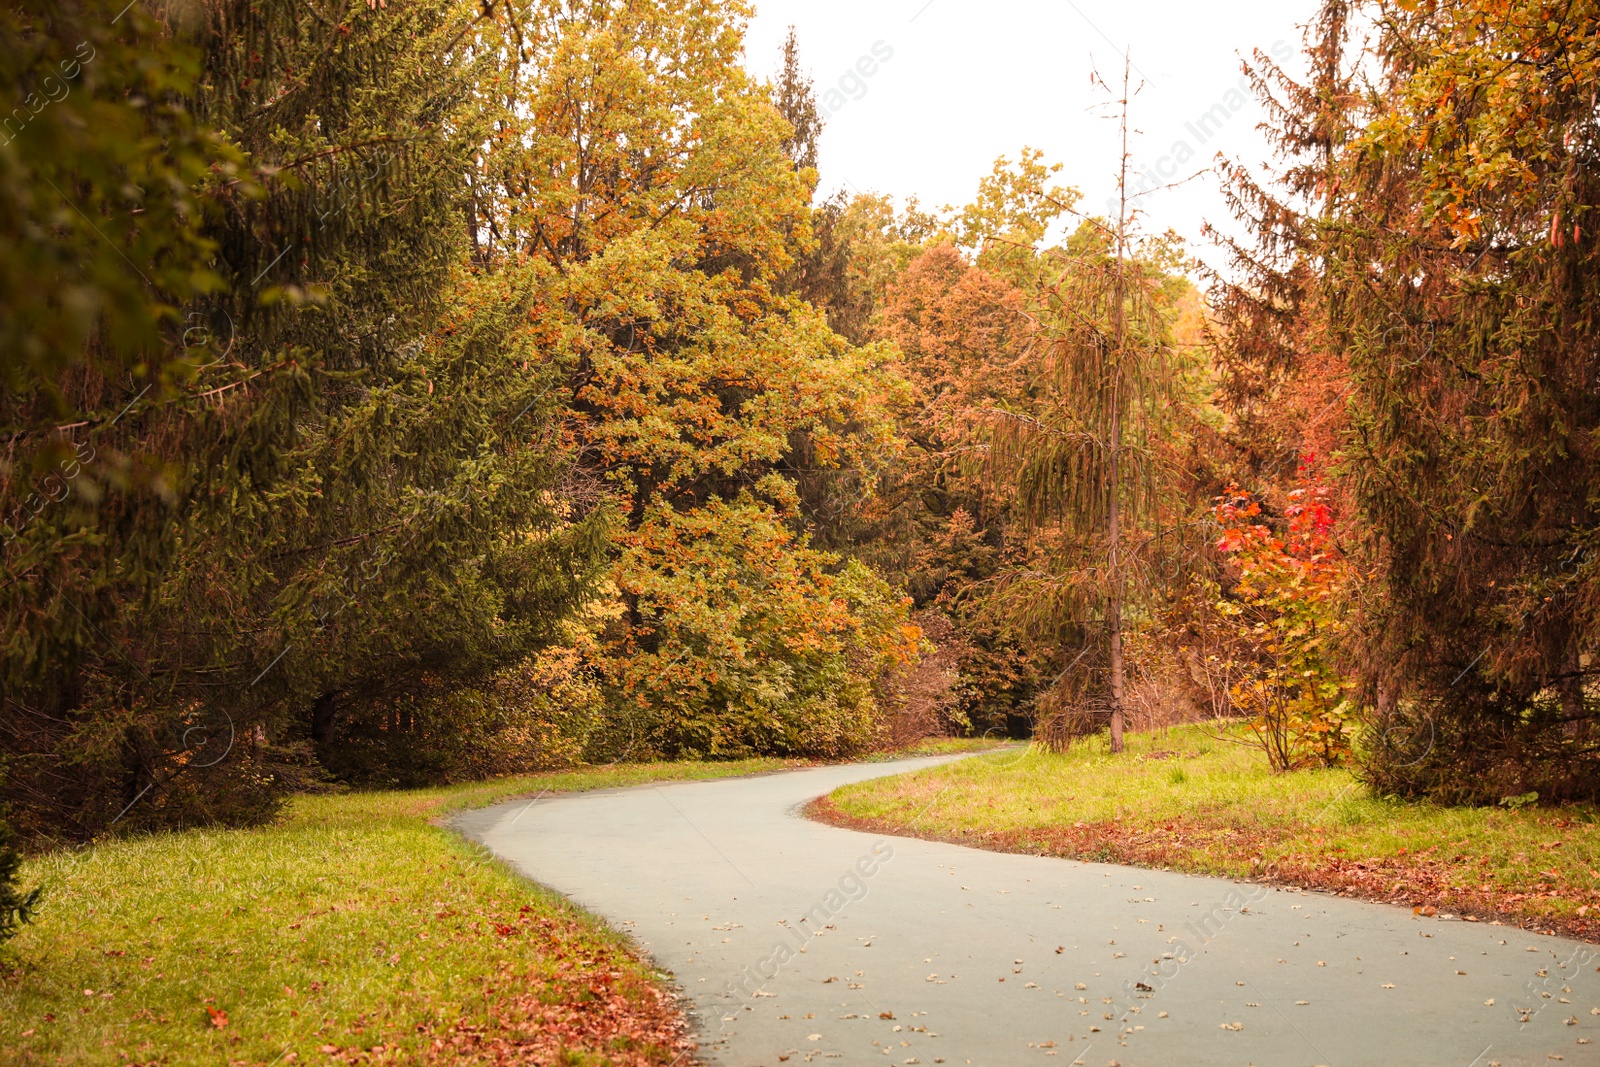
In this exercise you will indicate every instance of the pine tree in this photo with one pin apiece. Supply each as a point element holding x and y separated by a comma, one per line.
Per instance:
<point>1447,260</point>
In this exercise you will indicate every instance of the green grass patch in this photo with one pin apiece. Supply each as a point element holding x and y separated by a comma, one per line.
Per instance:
<point>353,929</point>
<point>1203,800</point>
<point>937,746</point>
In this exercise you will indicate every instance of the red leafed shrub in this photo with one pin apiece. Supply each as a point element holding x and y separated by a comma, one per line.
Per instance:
<point>1282,618</point>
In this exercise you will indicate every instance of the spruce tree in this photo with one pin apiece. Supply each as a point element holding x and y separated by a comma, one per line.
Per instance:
<point>347,494</point>
<point>1434,236</point>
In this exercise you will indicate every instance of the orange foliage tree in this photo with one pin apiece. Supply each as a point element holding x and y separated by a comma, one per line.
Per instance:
<point>644,181</point>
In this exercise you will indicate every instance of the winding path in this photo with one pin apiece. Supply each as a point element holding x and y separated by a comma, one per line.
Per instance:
<point>803,943</point>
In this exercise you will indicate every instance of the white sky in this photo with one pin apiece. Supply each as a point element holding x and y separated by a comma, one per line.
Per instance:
<point>969,81</point>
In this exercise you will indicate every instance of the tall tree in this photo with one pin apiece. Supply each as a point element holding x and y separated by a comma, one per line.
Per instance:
<point>350,492</point>
<point>797,103</point>
<point>644,180</point>
<point>1081,457</point>
<point>1436,224</point>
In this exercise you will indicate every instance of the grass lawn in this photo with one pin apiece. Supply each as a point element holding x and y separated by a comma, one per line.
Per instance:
<point>353,930</point>
<point>1194,799</point>
<point>935,746</point>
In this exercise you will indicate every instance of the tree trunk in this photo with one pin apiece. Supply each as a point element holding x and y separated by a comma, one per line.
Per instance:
<point>322,715</point>
<point>1114,504</point>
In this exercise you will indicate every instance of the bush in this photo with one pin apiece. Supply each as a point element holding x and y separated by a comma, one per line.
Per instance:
<point>1482,747</point>
<point>538,715</point>
<point>1284,609</point>
<point>16,907</point>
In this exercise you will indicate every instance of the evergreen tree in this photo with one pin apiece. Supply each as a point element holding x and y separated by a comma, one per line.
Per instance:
<point>797,103</point>
<point>1448,261</point>
<point>1082,457</point>
<point>348,498</point>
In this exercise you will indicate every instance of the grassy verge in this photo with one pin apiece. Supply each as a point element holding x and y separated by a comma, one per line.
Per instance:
<point>937,746</point>
<point>353,931</point>
<point>1190,799</point>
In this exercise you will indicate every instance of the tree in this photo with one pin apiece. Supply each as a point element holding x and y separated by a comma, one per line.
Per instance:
<point>1433,237</point>
<point>797,103</point>
<point>644,182</point>
<point>1081,459</point>
<point>356,495</point>
<point>1282,618</point>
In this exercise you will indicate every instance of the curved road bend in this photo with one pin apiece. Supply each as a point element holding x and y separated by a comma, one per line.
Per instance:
<point>803,943</point>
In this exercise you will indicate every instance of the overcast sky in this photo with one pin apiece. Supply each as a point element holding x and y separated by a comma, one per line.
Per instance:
<point>955,83</point>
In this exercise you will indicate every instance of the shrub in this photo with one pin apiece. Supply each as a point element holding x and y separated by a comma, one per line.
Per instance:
<point>1284,612</point>
<point>536,715</point>
<point>16,906</point>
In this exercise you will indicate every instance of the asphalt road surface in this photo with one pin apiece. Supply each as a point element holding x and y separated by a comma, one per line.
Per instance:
<point>803,943</point>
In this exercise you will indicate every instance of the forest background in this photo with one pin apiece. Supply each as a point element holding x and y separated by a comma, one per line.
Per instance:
<point>411,391</point>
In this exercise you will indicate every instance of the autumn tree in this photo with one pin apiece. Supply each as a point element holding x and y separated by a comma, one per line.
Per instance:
<point>1080,457</point>
<point>963,335</point>
<point>1434,225</point>
<point>648,185</point>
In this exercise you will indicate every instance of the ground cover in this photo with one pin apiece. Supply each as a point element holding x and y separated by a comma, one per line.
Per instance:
<point>355,929</point>
<point>1201,799</point>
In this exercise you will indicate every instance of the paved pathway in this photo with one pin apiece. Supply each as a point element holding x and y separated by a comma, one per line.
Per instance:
<point>803,943</point>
